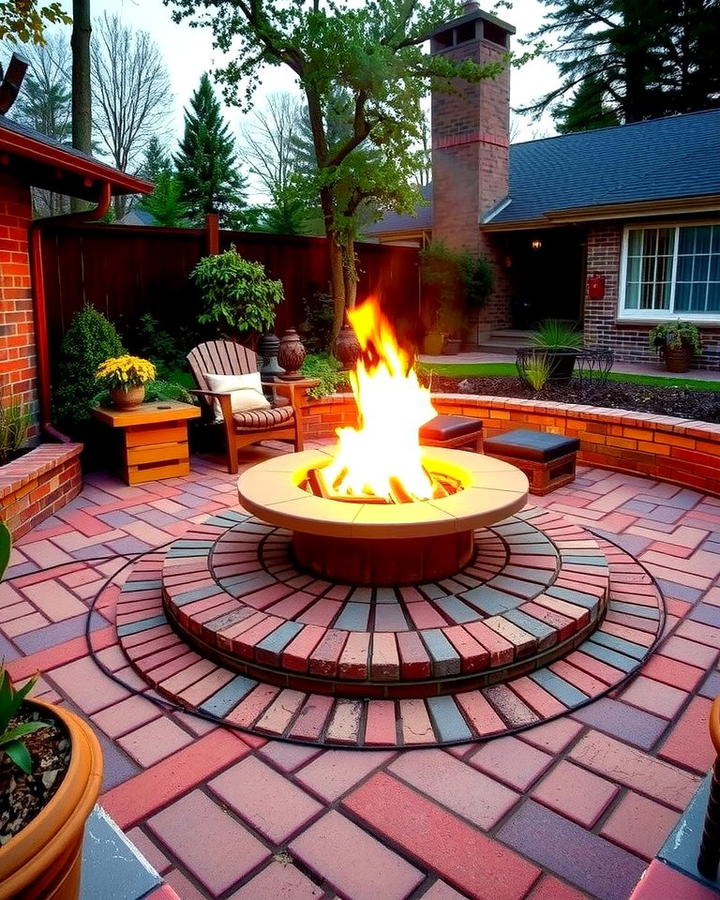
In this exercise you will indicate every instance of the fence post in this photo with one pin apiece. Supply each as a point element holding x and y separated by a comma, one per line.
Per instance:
<point>212,234</point>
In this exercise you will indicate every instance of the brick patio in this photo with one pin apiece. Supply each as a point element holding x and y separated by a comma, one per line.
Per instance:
<point>575,807</point>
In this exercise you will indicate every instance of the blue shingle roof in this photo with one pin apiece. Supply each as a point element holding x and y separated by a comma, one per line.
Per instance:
<point>661,159</point>
<point>678,156</point>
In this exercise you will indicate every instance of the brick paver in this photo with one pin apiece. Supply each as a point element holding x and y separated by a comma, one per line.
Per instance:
<point>221,813</point>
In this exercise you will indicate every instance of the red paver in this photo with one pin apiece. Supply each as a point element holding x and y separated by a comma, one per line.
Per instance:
<point>416,725</point>
<point>268,801</point>
<point>380,723</point>
<point>415,662</point>
<point>661,882</point>
<point>337,771</point>
<point>295,656</point>
<point>353,661</point>
<point>655,697</point>
<point>639,825</point>
<point>575,793</point>
<point>85,684</point>
<point>155,741</point>
<point>511,761</point>
<point>125,716</point>
<point>150,850</point>
<point>689,742</point>
<point>670,671</point>
<point>384,662</point>
<point>324,658</point>
<point>356,864</point>
<point>479,712</point>
<point>211,860</point>
<point>455,785</point>
<point>551,888</point>
<point>279,714</point>
<point>462,855</point>
<point>635,769</point>
<point>280,880</point>
<point>311,719</point>
<point>133,801</point>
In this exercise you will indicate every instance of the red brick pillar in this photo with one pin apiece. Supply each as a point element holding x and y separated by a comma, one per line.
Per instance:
<point>18,376</point>
<point>470,149</point>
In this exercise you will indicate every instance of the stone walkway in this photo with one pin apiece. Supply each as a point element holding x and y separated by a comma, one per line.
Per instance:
<point>576,807</point>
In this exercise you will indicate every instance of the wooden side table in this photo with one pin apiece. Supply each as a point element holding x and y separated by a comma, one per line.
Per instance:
<point>154,439</point>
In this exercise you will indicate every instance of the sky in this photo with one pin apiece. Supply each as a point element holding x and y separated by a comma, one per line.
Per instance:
<point>188,52</point>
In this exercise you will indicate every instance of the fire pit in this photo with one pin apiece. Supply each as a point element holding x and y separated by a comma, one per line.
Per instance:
<point>370,543</point>
<point>378,509</point>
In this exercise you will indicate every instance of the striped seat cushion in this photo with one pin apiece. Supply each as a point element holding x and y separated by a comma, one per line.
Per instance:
<point>259,419</point>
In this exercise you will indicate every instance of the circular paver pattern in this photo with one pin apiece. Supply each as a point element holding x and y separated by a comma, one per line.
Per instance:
<point>217,565</point>
<point>532,592</point>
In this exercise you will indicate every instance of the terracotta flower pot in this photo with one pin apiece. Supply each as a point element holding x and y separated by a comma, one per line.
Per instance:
<point>678,359</point>
<point>291,355</point>
<point>347,348</point>
<point>433,343</point>
<point>127,398</point>
<point>42,862</point>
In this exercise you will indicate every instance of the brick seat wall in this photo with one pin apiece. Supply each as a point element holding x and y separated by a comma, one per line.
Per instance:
<point>682,451</point>
<point>38,484</point>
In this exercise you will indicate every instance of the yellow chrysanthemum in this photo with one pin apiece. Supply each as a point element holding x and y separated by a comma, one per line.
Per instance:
<point>125,371</point>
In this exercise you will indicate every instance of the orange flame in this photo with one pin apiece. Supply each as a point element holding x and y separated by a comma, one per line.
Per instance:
<point>382,457</point>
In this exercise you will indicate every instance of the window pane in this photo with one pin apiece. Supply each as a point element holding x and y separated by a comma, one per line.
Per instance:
<point>633,269</point>
<point>716,239</point>
<point>700,272</point>
<point>632,295</point>
<point>715,267</point>
<point>684,268</point>
<point>702,238</point>
<point>662,295</point>
<point>635,239</point>
<point>682,297</point>
<point>686,240</point>
<point>713,301</point>
<point>697,298</point>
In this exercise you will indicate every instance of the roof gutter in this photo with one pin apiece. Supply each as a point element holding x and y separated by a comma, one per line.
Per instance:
<point>40,306</point>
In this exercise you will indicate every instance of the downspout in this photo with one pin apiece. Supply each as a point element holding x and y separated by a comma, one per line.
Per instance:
<point>40,308</point>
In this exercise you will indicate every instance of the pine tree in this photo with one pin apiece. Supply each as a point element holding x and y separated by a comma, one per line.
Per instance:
<point>646,58</point>
<point>165,204</point>
<point>206,163</point>
<point>157,161</point>
<point>586,110</point>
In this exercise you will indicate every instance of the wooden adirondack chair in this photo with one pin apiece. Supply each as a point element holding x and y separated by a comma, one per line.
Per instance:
<point>282,422</point>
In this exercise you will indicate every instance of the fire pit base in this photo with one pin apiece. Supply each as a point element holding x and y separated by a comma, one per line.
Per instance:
<point>384,563</point>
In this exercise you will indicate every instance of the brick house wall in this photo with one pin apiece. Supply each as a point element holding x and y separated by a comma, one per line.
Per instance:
<point>18,376</point>
<point>628,340</point>
<point>470,146</point>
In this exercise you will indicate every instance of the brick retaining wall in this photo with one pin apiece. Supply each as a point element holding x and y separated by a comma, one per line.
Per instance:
<point>38,484</point>
<point>682,451</point>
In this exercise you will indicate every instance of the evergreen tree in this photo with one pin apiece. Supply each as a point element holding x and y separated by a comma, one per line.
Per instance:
<point>645,58</point>
<point>165,204</point>
<point>206,163</point>
<point>586,110</point>
<point>157,161</point>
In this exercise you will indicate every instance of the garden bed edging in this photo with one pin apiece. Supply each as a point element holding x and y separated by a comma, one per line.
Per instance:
<point>38,484</point>
<point>682,451</point>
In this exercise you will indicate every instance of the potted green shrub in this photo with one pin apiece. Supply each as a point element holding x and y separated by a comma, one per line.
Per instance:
<point>677,342</point>
<point>559,343</point>
<point>238,295</point>
<point>51,771</point>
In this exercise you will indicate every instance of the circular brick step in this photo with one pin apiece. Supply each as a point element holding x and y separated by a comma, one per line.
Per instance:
<point>178,671</point>
<point>537,587</point>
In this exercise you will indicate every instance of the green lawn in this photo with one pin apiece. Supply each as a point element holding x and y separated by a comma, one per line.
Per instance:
<point>490,370</point>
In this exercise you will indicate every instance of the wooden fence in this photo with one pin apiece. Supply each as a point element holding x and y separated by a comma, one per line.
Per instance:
<point>125,271</point>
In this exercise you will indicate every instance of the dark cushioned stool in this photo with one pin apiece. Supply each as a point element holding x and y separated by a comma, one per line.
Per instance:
<point>548,460</point>
<point>452,431</point>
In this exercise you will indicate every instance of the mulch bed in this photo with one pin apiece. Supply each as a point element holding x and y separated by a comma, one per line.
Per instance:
<point>660,400</point>
<point>23,796</point>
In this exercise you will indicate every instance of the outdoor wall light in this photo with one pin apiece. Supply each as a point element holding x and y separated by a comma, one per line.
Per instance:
<point>536,244</point>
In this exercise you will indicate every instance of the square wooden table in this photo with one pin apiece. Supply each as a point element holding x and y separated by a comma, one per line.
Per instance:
<point>154,439</point>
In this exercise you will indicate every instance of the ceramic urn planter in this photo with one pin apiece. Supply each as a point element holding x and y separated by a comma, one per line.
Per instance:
<point>291,355</point>
<point>42,862</point>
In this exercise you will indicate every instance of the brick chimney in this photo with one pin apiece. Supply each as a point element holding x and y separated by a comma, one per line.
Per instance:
<point>470,131</point>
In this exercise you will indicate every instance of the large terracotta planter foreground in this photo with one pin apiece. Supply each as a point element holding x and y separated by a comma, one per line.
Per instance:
<point>43,860</point>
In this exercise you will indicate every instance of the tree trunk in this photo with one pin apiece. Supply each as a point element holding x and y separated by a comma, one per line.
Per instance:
<point>81,98</point>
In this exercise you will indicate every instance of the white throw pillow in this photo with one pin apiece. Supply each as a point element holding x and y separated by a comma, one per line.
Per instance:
<point>246,392</point>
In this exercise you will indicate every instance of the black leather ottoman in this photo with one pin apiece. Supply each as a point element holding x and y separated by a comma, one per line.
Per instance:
<point>452,431</point>
<point>548,460</point>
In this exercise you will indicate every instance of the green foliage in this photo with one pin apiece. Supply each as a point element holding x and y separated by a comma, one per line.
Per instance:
<point>237,293</point>
<point>158,345</point>
<point>456,283</point>
<point>165,204</point>
<point>674,335</point>
<point>206,166</point>
<point>14,424</point>
<point>554,334</point>
<point>11,736</point>
<point>157,162</point>
<point>643,58</point>
<point>316,329</point>
<point>5,548</point>
<point>89,340</point>
<point>328,370</point>
<point>537,370</point>
<point>26,22</point>
<point>586,110</point>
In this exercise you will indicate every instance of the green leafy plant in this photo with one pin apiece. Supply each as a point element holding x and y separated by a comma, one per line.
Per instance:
<point>89,340</point>
<point>456,284</point>
<point>316,329</point>
<point>674,335</point>
<point>554,334</point>
<point>14,424</point>
<point>10,699</point>
<point>537,370</point>
<point>328,370</point>
<point>155,392</point>
<point>237,293</point>
<point>125,371</point>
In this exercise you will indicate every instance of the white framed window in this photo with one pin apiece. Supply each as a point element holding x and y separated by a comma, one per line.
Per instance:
<point>670,271</point>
